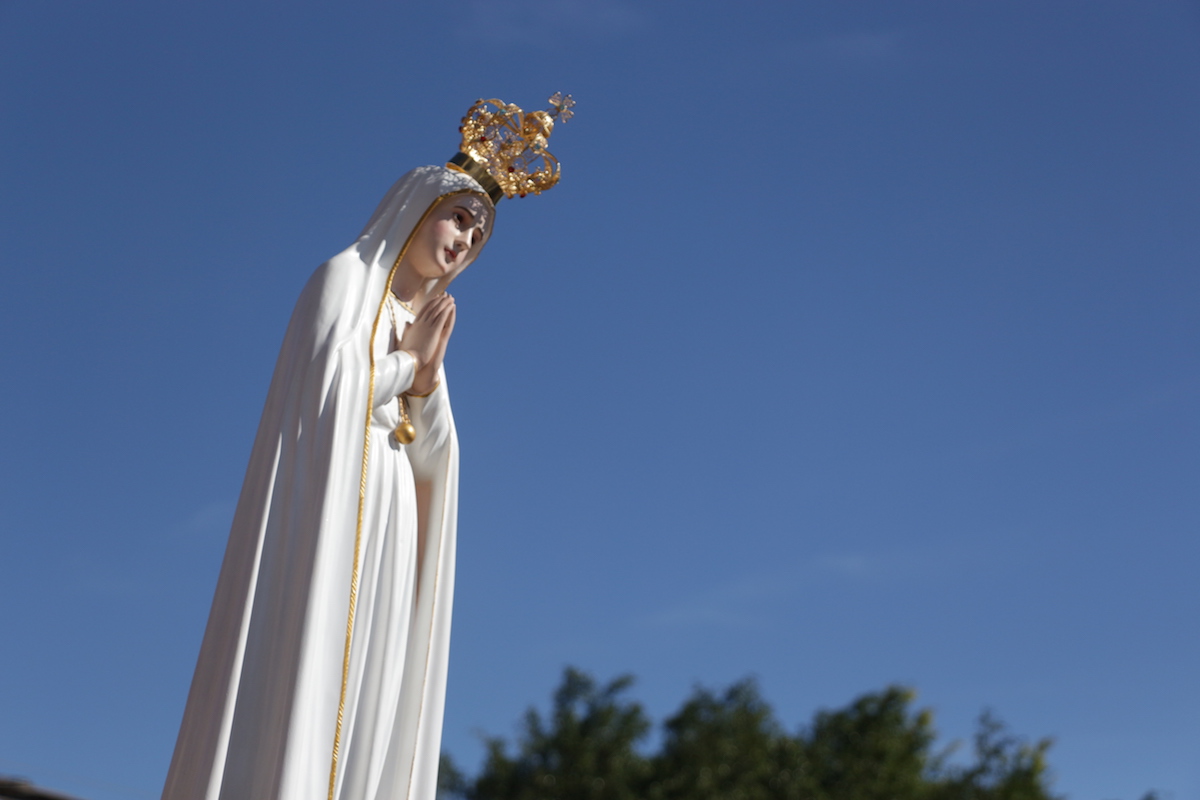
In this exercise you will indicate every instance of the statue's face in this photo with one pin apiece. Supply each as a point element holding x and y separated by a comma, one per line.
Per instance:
<point>451,236</point>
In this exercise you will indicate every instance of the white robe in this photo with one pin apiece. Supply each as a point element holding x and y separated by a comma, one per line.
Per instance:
<point>262,712</point>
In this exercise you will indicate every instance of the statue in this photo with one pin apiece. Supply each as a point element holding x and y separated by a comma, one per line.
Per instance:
<point>322,672</point>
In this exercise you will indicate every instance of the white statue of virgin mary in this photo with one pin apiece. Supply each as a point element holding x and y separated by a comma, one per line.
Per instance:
<point>322,673</point>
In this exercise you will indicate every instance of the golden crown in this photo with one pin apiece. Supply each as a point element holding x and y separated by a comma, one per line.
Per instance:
<point>505,148</point>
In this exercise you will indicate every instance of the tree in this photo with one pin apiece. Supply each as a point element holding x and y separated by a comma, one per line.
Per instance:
<point>585,751</point>
<point>1005,768</point>
<point>874,748</point>
<point>729,746</point>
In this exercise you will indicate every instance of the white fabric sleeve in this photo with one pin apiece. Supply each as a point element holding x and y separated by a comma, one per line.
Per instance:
<point>394,373</point>
<point>434,424</point>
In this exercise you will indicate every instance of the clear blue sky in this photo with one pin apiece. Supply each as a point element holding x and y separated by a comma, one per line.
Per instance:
<point>858,345</point>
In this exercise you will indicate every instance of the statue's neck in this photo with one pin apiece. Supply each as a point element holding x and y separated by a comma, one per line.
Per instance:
<point>408,285</point>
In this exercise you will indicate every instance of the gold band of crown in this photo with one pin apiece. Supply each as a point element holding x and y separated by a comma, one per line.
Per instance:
<point>477,170</point>
<point>505,148</point>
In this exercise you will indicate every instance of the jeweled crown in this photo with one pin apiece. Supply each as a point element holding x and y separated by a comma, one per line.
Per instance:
<point>504,148</point>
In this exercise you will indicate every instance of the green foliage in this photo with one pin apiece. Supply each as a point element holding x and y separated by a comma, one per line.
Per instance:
<point>724,747</point>
<point>451,782</point>
<point>729,746</point>
<point>874,748</point>
<point>1005,768</point>
<point>584,752</point>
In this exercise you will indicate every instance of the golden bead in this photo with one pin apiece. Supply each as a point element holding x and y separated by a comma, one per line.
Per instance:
<point>405,433</point>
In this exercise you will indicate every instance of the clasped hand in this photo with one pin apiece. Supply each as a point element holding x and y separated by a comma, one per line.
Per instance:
<point>426,338</point>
